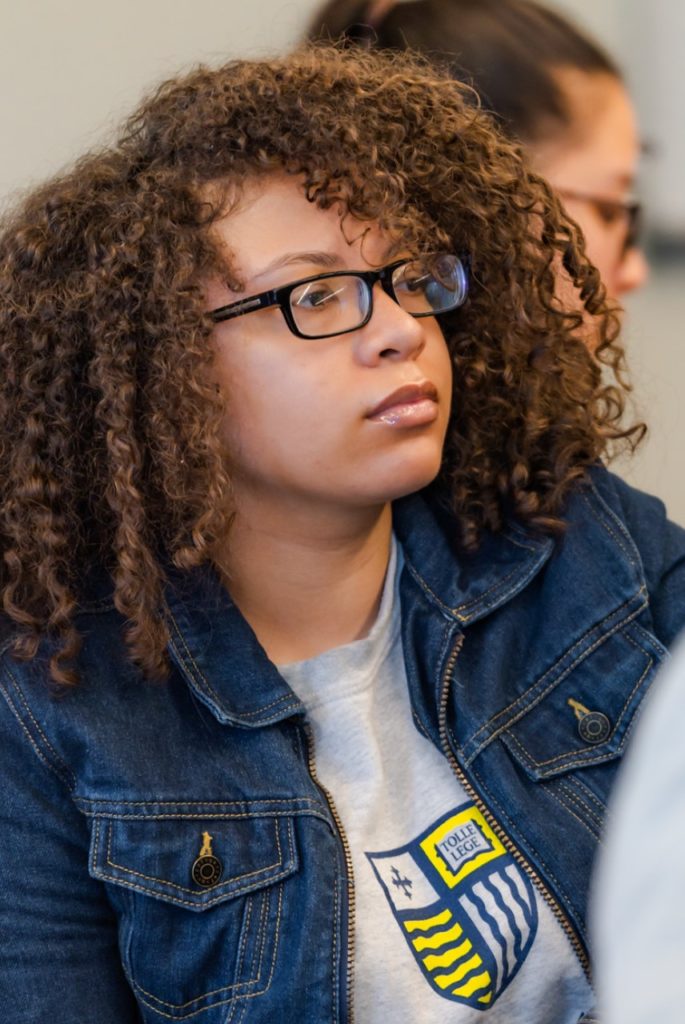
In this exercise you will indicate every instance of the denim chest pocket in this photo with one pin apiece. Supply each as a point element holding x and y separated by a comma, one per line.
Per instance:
<point>583,717</point>
<point>199,901</point>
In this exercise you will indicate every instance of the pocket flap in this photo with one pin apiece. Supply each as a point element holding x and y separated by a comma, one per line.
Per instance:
<point>194,862</point>
<point>585,719</point>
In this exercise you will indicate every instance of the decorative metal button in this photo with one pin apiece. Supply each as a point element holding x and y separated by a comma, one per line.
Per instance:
<point>207,869</point>
<point>593,726</point>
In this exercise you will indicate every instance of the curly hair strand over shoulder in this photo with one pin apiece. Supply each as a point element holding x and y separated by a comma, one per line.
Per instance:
<point>111,452</point>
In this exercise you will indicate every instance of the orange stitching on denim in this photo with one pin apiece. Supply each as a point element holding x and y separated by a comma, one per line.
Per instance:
<point>193,892</point>
<point>335,973</point>
<point>570,755</point>
<point>291,698</point>
<point>577,799</point>
<point>60,769</point>
<point>265,897</point>
<point>621,535</point>
<point>190,1013</point>
<point>244,932</point>
<point>556,680</point>
<point>419,724</point>
<point>492,592</point>
<point>234,997</point>
<point>572,796</point>
<point>182,1006</point>
<point>94,848</point>
<point>511,831</point>
<point>22,725</point>
<point>239,1000</point>
<point>291,852</point>
<point>589,795</point>
<point>275,946</point>
<point>498,585</point>
<point>569,810</point>
<point>111,816</point>
<point>198,803</point>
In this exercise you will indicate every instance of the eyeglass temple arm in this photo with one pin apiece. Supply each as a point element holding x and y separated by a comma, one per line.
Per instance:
<point>244,306</point>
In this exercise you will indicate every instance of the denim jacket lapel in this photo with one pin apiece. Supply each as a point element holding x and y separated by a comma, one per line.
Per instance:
<point>220,657</point>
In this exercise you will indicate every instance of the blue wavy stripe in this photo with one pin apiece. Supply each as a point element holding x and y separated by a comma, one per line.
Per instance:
<point>509,914</point>
<point>496,931</point>
<point>523,900</point>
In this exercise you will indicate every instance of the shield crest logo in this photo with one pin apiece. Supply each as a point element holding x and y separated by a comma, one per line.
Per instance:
<point>467,911</point>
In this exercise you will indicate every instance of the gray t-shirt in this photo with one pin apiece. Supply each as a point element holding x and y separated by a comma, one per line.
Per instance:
<point>448,926</point>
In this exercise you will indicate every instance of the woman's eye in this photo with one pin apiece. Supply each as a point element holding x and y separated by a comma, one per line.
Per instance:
<point>317,298</point>
<point>611,213</point>
<point>417,283</point>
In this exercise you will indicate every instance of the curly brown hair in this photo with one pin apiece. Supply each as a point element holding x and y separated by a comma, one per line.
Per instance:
<point>111,450</point>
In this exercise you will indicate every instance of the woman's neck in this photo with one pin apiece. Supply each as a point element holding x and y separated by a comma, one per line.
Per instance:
<point>307,584</point>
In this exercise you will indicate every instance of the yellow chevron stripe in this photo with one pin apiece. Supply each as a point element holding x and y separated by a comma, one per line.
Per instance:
<point>445,980</point>
<point>428,922</point>
<point>437,940</point>
<point>434,960</point>
<point>479,981</point>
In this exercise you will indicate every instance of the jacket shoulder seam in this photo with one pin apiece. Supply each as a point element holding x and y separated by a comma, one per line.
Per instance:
<point>34,733</point>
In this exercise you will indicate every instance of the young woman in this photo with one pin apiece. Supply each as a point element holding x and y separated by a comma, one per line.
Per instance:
<point>549,85</point>
<point>324,626</point>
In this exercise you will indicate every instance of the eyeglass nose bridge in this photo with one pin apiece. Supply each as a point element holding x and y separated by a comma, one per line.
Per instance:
<point>370,278</point>
<point>383,277</point>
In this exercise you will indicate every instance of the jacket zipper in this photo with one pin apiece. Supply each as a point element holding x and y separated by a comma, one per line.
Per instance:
<point>351,902</point>
<point>493,823</point>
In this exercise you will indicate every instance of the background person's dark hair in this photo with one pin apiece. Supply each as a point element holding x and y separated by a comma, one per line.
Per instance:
<point>489,44</point>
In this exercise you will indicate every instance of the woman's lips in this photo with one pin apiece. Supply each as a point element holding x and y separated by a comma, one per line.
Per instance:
<point>411,405</point>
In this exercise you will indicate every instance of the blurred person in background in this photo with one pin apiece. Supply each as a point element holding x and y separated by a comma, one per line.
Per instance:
<point>548,84</point>
<point>639,891</point>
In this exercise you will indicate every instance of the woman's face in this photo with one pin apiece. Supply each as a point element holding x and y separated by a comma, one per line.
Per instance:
<point>593,168</point>
<point>323,422</point>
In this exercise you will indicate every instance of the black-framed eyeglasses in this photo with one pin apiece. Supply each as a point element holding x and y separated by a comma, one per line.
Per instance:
<point>629,210</point>
<point>337,302</point>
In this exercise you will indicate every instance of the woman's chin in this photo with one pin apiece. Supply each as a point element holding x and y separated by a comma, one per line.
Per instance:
<point>406,477</point>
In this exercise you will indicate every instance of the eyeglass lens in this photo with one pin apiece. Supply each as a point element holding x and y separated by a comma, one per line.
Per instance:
<point>332,305</point>
<point>427,287</point>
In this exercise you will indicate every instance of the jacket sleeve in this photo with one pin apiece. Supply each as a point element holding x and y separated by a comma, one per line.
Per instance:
<point>59,957</point>
<point>661,544</point>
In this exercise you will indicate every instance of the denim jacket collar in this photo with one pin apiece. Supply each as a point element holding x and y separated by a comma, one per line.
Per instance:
<point>220,657</point>
<point>465,587</point>
<point>593,581</point>
<point>224,664</point>
<point>594,572</point>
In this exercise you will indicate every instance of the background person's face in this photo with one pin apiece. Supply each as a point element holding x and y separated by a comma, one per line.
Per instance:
<point>301,426</point>
<point>597,159</point>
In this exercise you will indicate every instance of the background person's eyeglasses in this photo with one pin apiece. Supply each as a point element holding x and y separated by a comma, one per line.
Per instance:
<point>338,302</point>
<point>610,210</point>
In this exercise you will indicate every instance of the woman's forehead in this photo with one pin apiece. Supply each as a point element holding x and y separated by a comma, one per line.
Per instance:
<point>270,223</point>
<point>600,148</point>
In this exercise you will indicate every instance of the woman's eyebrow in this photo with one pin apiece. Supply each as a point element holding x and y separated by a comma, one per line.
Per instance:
<point>328,260</point>
<point>318,258</point>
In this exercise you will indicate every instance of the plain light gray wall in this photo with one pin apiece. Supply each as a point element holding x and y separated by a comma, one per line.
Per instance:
<point>648,40</point>
<point>70,71</point>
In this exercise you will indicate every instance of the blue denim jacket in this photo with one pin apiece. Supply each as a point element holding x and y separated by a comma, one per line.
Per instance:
<point>526,664</point>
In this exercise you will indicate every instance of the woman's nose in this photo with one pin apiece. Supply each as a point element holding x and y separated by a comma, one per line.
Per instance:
<point>632,272</point>
<point>391,332</point>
